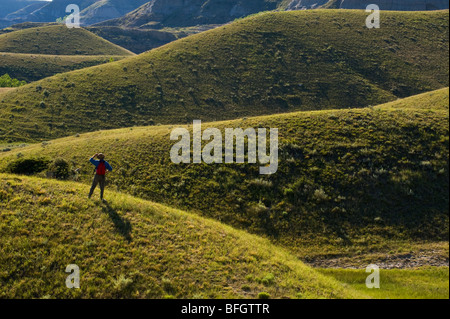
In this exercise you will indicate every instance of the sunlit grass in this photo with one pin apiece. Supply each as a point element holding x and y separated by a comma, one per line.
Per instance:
<point>423,283</point>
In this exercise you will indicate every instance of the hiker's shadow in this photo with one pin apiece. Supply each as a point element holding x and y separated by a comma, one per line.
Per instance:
<point>122,225</point>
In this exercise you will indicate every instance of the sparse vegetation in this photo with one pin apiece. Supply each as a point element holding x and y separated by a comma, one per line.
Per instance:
<point>58,40</point>
<point>314,64</point>
<point>358,182</point>
<point>332,173</point>
<point>34,67</point>
<point>141,249</point>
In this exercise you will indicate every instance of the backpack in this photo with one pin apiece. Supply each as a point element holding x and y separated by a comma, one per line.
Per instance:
<point>101,168</point>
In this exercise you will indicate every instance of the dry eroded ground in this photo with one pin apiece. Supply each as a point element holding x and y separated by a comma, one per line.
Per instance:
<point>6,89</point>
<point>437,256</point>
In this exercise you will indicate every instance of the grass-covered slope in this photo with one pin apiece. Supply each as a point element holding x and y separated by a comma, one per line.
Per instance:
<point>352,182</point>
<point>269,63</point>
<point>423,283</point>
<point>34,67</point>
<point>131,248</point>
<point>58,40</point>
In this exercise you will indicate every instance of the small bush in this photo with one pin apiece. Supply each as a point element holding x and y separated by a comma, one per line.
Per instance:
<point>121,284</point>
<point>168,286</point>
<point>263,295</point>
<point>59,169</point>
<point>267,280</point>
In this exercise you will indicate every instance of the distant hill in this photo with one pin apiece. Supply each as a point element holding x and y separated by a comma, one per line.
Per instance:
<point>32,53</point>
<point>92,11</point>
<point>58,40</point>
<point>402,5</point>
<point>131,248</point>
<point>21,14</point>
<point>174,13</point>
<point>34,67</point>
<point>266,64</point>
<point>56,9</point>
<point>108,9</point>
<point>10,6</point>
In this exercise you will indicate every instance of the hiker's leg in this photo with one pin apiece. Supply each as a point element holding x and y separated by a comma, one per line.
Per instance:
<point>102,183</point>
<point>94,185</point>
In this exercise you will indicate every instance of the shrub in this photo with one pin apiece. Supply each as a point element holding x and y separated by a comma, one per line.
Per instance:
<point>121,284</point>
<point>168,286</point>
<point>7,81</point>
<point>320,195</point>
<point>27,166</point>
<point>267,280</point>
<point>59,169</point>
<point>263,295</point>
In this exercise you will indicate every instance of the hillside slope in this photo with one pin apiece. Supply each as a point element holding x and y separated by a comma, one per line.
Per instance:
<point>403,5</point>
<point>173,13</point>
<point>9,6</point>
<point>19,15</point>
<point>58,40</point>
<point>34,67</point>
<point>318,59</point>
<point>130,248</point>
<point>349,182</point>
<point>417,5</point>
<point>108,9</point>
<point>56,9</point>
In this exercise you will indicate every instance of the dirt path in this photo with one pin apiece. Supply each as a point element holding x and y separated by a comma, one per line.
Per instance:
<point>399,261</point>
<point>6,90</point>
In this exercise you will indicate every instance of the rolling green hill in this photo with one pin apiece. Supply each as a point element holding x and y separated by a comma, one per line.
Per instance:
<point>361,183</point>
<point>58,40</point>
<point>34,67</point>
<point>131,248</point>
<point>265,64</point>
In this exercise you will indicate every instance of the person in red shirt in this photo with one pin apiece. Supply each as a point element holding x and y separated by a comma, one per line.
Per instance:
<point>101,168</point>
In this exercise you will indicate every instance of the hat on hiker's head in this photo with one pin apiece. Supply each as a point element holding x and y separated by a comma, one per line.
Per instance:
<point>101,156</point>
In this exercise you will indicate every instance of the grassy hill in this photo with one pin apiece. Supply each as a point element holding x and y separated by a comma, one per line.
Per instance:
<point>32,53</point>
<point>169,13</point>
<point>131,248</point>
<point>364,183</point>
<point>34,67</point>
<point>58,40</point>
<point>318,59</point>
<point>108,9</point>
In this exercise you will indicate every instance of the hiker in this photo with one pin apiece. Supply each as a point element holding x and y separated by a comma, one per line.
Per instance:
<point>101,167</point>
